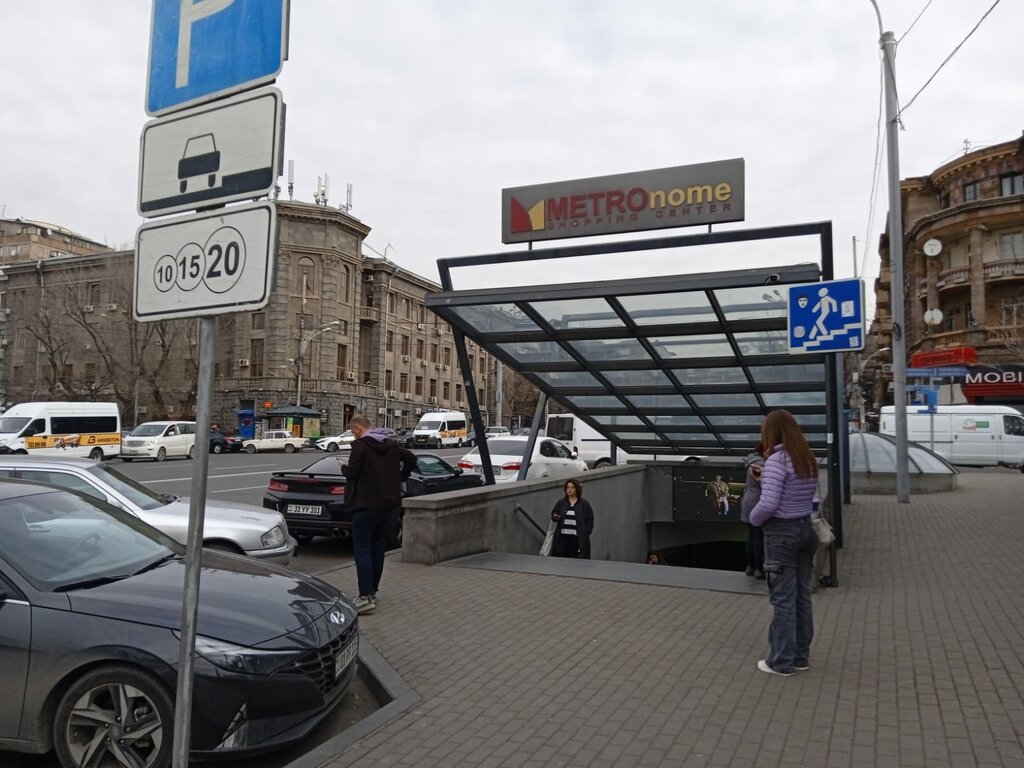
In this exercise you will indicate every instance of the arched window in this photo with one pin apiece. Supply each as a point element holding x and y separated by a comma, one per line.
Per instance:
<point>306,281</point>
<point>344,284</point>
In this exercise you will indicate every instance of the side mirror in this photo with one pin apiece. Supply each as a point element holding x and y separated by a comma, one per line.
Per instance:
<point>457,470</point>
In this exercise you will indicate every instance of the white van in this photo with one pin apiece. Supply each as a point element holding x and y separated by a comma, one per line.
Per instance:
<point>583,440</point>
<point>159,439</point>
<point>438,429</point>
<point>62,429</point>
<point>972,435</point>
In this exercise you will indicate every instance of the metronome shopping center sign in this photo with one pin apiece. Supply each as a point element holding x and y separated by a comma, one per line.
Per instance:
<point>684,196</point>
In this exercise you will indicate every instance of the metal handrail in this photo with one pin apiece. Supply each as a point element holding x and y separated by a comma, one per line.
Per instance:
<point>524,513</point>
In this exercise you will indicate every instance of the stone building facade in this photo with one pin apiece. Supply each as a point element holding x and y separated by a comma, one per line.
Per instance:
<point>973,209</point>
<point>342,333</point>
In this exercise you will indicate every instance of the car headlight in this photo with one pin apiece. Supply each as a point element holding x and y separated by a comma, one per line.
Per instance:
<point>238,658</point>
<point>150,443</point>
<point>275,537</point>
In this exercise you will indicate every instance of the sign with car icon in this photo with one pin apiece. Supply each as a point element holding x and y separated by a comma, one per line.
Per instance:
<point>218,153</point>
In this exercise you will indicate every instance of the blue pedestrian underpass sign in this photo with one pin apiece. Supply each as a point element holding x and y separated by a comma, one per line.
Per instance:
<point>826,317</point>
<point>203,49</point>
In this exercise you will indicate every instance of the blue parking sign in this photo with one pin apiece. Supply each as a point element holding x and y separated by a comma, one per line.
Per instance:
<point>826,317</point>
<point>203,49</point>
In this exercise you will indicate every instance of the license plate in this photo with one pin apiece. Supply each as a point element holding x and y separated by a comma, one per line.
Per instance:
<point>496,471</point>
<point>346,657</point>
<point>305,509</point>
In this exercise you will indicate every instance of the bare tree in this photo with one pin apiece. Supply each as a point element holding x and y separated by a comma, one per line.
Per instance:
<point>520,395</point>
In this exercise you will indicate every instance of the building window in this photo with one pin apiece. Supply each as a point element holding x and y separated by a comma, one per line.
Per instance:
<point>21,340</point>
<point>304,322</point>
<point>969,315</point>
<point>405,307</point>
<point>1012,184</point>
<point>391,303</point>
<point>418,388</point>
<point>306,278</point>
<point>1011,245</point>
<point>421,313</point>
<point>480,397</point>
<point>256,358</point>
<point>972,191</point>
<point>1013,312</point>
<point>446,390</point>
<point>259,320</point>
<point>433,387</point>
<point>405,344</point>
<point>345,280</point>
<point>342,361</point>
<point>389,343</point>
<point>90,374</point>
<point>94,294</point>
<point>433,353</point>
<point>446,355</point>
<point>342,328</point>
<point>389,379</point>
<point>944,200</point>
<point>403,382</point>
<point>483,365</point>
<point>458,392</point>
<point>419,348</point>
<point>16,376</point>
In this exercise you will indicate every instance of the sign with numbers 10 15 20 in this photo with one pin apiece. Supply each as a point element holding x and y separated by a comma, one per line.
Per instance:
<point>205,264</point>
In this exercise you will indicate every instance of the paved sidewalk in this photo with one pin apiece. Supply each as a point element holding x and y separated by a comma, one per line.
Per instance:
<point>918,658</point>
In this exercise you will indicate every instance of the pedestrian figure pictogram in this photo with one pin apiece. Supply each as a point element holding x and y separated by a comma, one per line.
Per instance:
<point>826,317</point>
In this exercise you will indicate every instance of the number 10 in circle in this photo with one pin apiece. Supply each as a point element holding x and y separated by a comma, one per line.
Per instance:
<point>219,264</point>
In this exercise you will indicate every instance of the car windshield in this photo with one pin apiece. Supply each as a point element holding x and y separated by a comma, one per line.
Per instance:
<point>505,447</point>
<point>428,424</point>
<point>12,424</point>
<point>58,541</point>
<point>132,490</point>
<point>148,430</point>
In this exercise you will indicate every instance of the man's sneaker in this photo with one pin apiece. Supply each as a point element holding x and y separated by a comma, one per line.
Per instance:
<point>801,667</point>
<point>364,605</point>
<point>749,571</point>
<point>373,599</point>
<point>763,666</point>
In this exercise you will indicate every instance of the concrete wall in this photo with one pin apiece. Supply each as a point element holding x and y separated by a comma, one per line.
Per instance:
<point>450,525</point>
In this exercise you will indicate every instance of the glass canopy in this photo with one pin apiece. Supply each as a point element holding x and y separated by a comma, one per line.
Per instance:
<point>686,364</point>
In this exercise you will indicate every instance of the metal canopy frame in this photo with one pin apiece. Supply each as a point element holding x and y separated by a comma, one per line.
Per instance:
<point>684,364</point>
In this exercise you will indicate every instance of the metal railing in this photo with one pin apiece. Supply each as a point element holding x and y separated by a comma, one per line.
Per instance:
<point>530,520</point>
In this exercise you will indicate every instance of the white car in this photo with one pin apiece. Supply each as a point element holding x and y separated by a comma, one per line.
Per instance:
<point>241,528</point>
<point>338,442</point>
<point>276,440</point>
<point>497,432</point>
<point>550,459</point>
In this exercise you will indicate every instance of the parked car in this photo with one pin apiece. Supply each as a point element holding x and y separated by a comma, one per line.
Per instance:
<point>90,599</point>
<point>159,439</point>
<point>496,431</point>
<point>471,437</point>
<point>336,442</point>
<point>404,437</point>
<point>240,528</point>
<point>276,440</point>
<point>221,443</point>
<point>312,500</point>
<point>551,458</point>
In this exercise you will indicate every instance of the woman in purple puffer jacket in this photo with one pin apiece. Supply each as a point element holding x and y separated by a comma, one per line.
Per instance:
<point>788,482</point>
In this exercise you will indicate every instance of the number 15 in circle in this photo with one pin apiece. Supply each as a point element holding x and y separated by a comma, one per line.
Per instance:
<point>219,264</point>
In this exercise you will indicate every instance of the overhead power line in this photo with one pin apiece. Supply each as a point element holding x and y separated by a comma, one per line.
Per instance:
<point>914,22</point>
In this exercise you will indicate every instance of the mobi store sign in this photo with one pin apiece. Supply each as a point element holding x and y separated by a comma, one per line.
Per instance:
<point>684,196</point>
<point>1003,374</point>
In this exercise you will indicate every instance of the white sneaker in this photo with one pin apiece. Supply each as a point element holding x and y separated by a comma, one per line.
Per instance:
<point>763,666</point>
<point>364,605</point>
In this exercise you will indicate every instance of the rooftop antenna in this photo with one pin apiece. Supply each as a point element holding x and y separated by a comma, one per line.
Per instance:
<point>347,205</point>
<point>967,146</point>
<point>291,179</point>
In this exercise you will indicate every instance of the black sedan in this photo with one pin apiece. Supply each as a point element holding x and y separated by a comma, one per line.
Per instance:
<point>312,500</point>
<point>221,443</point>
<point>90,611</point>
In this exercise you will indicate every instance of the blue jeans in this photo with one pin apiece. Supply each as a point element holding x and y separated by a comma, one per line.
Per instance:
<point>789,547</point>
<point>369,542</point>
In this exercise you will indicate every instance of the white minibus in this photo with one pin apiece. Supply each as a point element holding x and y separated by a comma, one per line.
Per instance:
<point>62,429</point>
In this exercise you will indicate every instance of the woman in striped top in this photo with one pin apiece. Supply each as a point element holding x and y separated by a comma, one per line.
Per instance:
<point>575,518</point>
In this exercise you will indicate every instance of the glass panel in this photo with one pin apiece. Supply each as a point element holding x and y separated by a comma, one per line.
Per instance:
<point>633,437</point>
<point>637,378</point>
<point>748,438</point>
<point>640,402</point>
<point>691,437</point>
<point>755,301</point>
<point>662,308</point>
<point>763,343</point>
<point>730,401</point>
<point>784,399</point>
<point>776,374</point>
<point>569,379</point>
<point>736,420</point>
<point>496,318</point>
<point>594,402</point>
<point>811,419</point>
<point>578,313</point>
<point>696,346</point>
<point>619,421</point>
<point>537,352</point>
<point>676,421</point>
<point>700,376</point>
<point>603,350</point>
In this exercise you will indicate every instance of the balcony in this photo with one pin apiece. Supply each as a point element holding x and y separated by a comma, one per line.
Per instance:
<point>953,278</point>
<point>369,314</point>
<point>997,270</point>
<point>922,288</point>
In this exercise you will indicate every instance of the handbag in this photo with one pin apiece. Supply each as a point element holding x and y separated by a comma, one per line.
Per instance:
<point>823,531</point>
<point>549,539</point>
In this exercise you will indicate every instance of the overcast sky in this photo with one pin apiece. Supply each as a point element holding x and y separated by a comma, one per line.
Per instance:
<point>430,107</point>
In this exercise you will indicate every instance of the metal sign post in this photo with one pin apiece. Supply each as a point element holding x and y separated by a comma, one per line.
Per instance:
<point>193,557</point>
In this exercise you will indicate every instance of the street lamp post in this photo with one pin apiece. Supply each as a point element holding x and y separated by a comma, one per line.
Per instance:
<point>302,350</point>
<point>860,375</point>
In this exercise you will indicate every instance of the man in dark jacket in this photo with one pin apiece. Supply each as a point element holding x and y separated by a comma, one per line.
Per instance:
<point>376,469</point>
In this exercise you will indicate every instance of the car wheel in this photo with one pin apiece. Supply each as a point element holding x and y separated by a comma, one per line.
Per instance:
<point>303,537</point>
<point>600,463</point>
<point>250,449</point>
<point>116,715</point>
<point>191,451</point>
<point>127,461</point>
<point>332,447</point>
<point>289,448</point>
<point>96,454</point>
<point>458,443</point>
<point>217,448</point>
<point>161,454</point>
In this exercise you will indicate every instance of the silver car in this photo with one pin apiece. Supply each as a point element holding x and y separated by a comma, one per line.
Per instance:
<point>241,528</point>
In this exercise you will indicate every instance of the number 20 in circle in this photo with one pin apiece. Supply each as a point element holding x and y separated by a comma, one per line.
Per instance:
<point>225,259</point>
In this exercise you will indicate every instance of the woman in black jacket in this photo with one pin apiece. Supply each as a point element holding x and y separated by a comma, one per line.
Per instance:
<point>575,518</point>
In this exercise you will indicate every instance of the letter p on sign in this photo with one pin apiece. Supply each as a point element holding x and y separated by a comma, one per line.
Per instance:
<point>191,12</point>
